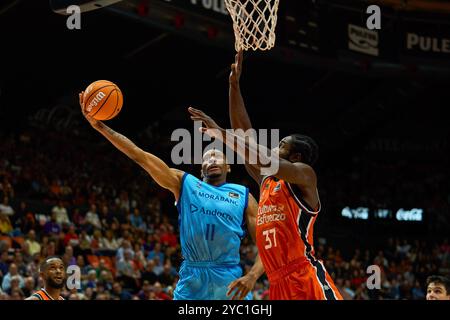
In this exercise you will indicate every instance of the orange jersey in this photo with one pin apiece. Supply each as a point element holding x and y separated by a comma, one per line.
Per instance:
<point>284,236</point>
<point>284,226</point>
<point>43,295</point>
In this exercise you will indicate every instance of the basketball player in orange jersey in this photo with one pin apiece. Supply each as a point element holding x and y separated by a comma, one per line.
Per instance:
<point>53,271</point>
<point>288,206</point>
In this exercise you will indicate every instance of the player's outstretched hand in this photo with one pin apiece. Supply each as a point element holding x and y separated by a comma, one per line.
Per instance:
<point>236,68</point>
<point>210,128</point>
<point>240,288</point>
<point>94,123</point>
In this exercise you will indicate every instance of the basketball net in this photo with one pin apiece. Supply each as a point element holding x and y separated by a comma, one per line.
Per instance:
<point>254,23</point>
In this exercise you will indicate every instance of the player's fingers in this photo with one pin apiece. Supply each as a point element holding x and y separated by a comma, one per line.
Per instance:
<point>237,294</point>
<point>231,288</point>
<point>234,293</point>
<point>199,112</point>
<point>192,110</point>
<point>244,293</point>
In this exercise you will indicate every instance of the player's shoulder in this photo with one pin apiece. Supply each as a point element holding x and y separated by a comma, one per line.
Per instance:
<point>33,297</point>
<point>179,173</point>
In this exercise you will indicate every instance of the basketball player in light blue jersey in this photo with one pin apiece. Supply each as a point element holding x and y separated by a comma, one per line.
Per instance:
<point>212,216</point>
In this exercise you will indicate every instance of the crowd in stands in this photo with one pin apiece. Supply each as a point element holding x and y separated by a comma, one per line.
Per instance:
<point>97,210</point>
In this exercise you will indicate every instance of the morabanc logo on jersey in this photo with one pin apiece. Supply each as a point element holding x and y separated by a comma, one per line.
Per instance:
<point>217,197</point>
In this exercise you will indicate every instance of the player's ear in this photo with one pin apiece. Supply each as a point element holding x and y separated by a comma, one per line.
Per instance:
<point>295,157</point>
<point>228,168</point>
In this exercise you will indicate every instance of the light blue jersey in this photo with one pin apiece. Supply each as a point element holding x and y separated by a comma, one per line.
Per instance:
<point>211,221</point>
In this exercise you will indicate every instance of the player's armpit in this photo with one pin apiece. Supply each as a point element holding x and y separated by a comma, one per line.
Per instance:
<point>297,173</point>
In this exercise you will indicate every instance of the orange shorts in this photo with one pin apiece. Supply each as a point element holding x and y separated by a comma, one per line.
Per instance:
<point>306,282</point>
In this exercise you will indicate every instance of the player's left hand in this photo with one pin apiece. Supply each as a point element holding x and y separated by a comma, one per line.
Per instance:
<point>241,287</point>
<point>211,127</point>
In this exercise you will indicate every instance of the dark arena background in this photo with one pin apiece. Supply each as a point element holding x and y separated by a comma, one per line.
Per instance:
<point>374,100</point>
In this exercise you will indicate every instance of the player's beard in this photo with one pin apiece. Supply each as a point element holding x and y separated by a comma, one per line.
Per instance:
<point>53,284</point>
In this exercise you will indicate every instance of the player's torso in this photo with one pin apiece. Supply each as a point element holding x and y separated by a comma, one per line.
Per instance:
<point>211,220</point>
<point>284,230</point>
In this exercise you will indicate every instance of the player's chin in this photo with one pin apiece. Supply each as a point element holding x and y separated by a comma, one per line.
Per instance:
<point>215,173</point>
<point>57,283</point>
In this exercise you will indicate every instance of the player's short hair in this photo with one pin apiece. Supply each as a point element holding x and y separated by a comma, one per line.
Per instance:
<point>306,146</point>
<point>44,264</point>
<point>440,280</point>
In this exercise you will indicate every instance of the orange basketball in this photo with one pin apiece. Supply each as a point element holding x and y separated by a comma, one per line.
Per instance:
<point>103,100</point>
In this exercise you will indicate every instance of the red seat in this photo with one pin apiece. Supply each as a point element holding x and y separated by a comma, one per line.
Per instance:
<point>93,260</point>
<point>6,239</point>
<point>19,240</point>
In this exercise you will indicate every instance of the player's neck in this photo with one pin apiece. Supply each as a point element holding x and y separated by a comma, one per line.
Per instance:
<point>215,181</point>
<point>53,292</point>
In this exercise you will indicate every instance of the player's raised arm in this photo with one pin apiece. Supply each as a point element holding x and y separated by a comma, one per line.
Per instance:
<point>238,113</point>
<point>296,173</point>
<point>168,178</point>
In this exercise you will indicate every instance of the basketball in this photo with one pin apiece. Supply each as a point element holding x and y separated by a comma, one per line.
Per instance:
<point>103,100</point>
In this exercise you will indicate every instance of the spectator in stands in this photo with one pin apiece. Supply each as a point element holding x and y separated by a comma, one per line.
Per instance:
<point>92,219</point>
<point>13,272</point>
<point>85,243</point>
<point>96,242</point>
<point>52,227</point>
<point>109,242</point>
<point>4,263</point>
<point>62,218</point>
<point>106,217</point>
<point>159,268</point>
<point>68,257</point>
<point>6,188</point>
<point>149,275</point>
<point>159,293</point>
<point>125,246</point>
<point>166,278</point>
<point>20,263</point>
<point>146,291</point>
<point>29,286</point>
<point>78,218</point>
<point>156,252</point>
<point>5,208</point>
<point>118,292</point>
<point>5,225</point>
<point>126,271</point>
<point>417,292</point>
<point>16,294</point>
<point>169,238</point>
<point>71,237</point>
<point>91,281</point>
<point>31,244</point>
